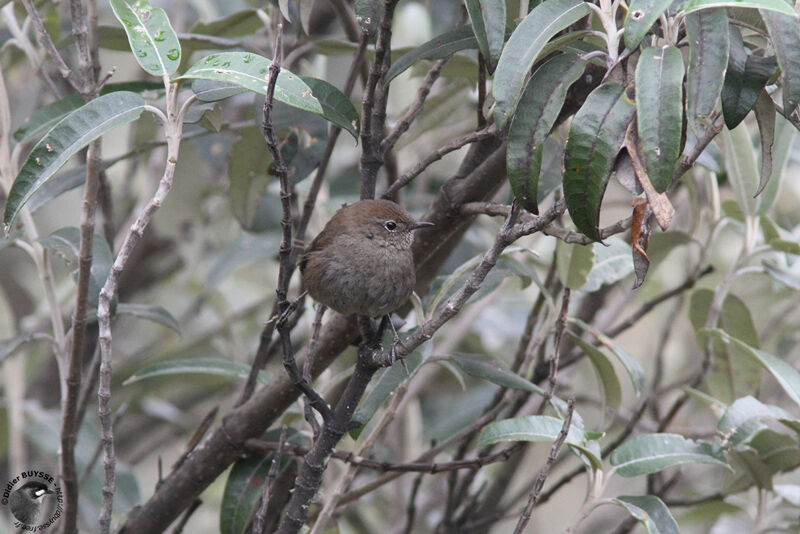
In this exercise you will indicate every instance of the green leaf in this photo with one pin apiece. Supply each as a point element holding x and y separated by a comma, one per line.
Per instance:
<point>651,512</point>
<point>745,414</point>
<point>642,14</point>
<point>788,378</point>
<point>536,428</point>
<point>390,380</point>
<point>745,78</point>
<point>524,46</point>
<point>537,112</point>
<point>734,319</point>
<point>574,263</point>
<point>251,72</point>
<point>245,486</point>
<point>708,58</point>
<point>439,47</point>
<point>201,366</point>
<point>45,117</point>
<point>488,19</point>
<point>67,137</point>
<point>629,362</point>
<point>785,34</point>
<point>765,117</point>
<point>248,175</point>
<point>612,392</point>
<point>154,313</point>
<point>740,162</point>
<point>659,109</point>
<point>491,369</point>
<point>595,137</point>
<point>153,41</point>
<point>237,24</point>
<point>782,245</point>
<point>690,6</point>
<point>611,264</point>
<point>207,91</point>
<point>66,242</point>
<point>651,453</point>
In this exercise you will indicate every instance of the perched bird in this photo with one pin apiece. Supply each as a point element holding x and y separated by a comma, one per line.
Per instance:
<point>26,502</point>
<point>361,262</point>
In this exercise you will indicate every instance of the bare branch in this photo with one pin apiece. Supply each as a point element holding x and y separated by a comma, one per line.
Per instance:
<point>416,106</point>
<point>551,459</point>
<point>47,43</point>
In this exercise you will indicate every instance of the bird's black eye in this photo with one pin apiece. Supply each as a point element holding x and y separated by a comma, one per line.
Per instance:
<point>390,225</point>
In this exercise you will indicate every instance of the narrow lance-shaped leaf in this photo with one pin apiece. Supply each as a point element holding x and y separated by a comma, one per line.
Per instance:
<point>784,374</point>
<point>605,372</point>
<point>524,46</point>
<point>536,428</point>
<point>765,117</point>
<point>690,6</point>
<point>67,137</point>
<point>785,34</point>
<point>740,162</point>
<point>651,453</point>
<point>488,19</point>
<point>439,47</point>
<point>785,135</point>
<point>659,108</point>
<point>745,78</point>
<point>651,512</point>
<point>538,110</point>
<point>251,71</point>
<point>153,41</point>
<point>45,117</point>
<point>203,366</point>
<point>708,57</point>
<point>595,137</point>
<point>642,14</point>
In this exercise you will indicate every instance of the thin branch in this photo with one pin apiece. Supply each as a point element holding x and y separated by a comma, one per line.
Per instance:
<point>47,43</point>
<point>551,459</point>
<point>435,156</point>
<point>286,265</point>
<point>80,33</point>
<point>373,109</point>
<point>186,515</point>
<point>134,234</point>
<point>560,326</point>
<point>258,521</point>
<point>71,383</point>
<point>648,306</point>
<point>416,106</point>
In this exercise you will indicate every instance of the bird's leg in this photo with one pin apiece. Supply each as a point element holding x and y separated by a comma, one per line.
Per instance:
<point>397,341</point>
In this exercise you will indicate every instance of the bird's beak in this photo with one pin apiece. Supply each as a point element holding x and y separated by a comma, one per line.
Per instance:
<point>421,224</point>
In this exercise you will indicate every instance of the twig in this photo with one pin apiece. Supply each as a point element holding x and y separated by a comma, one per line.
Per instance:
<point>258,520</point>
<point>80,32</point>
<point>186,515</point>
<point>286,267</point>
<point>194,441</point>
<point>551,459</point>
<point>416,106</point>
<point>99,449</point>
<point>312,350</point>
<point>648,306</point>
<point>373,108</point>
<point>561,324</point>
<point>47,43</point>
<point>172,126</point>
<point>72,381</point>
<point>411,509</point>
<point>435,156</point>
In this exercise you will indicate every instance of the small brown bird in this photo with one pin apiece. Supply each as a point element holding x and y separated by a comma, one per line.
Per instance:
<point>361,262</point>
